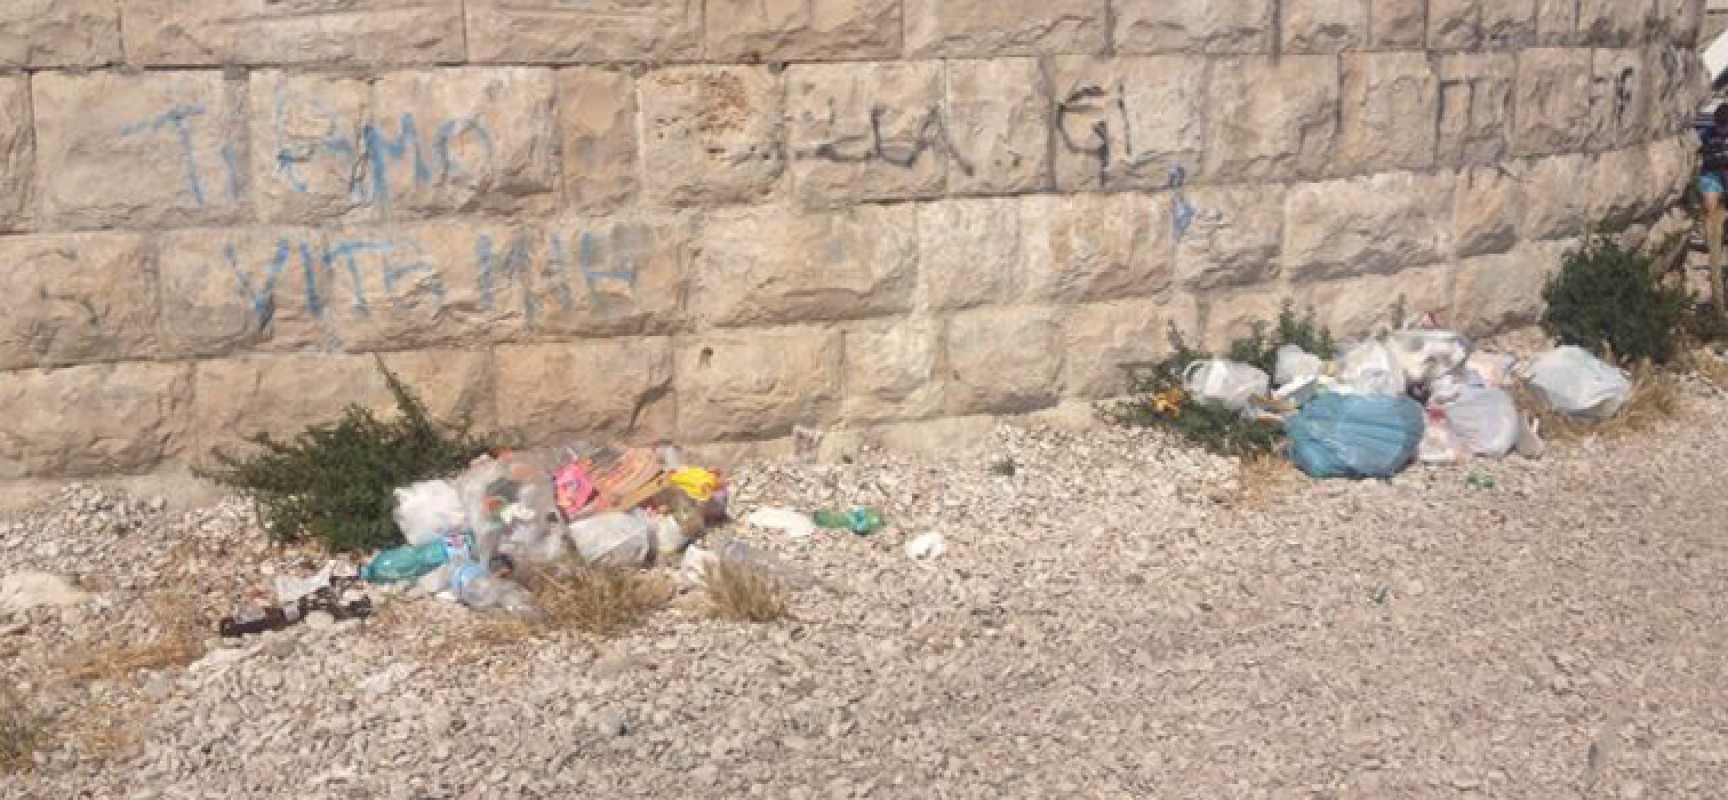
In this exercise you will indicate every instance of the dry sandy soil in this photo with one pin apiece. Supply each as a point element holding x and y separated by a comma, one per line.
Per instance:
<point>1114,620</point>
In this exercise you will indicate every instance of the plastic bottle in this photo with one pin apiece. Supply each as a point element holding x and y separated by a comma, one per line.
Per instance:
<point>408,563</point>
<point>860,520</point>
<point>482,591</point>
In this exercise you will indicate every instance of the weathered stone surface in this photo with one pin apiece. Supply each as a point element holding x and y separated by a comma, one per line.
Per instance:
<point>1678,21</point>
<point>561,32</point>
<point>1127,123</point>
<point>1390,101</point>
<point>892,370</point>
<point>611,276</point>
<point>1489,210</point>
<point>92,420</point>
<point>1475,108</point>
<point>619,388</point>
<point>225,289</point>
<point>69,299</point>
<point>1398,24</point>
<point>140,151</point>
<point>1159,26</point>
<point>59,33</point>
<point>969,253</point>
<point>1230,314</point>
<point>1677,86</point>
<point>1378,224</point>
<point>1553,95</point>
<point>405,144</point>
<point>1465,24</point>
<point>993,28</point>
<point>1102,341</point>
<point>998,124</point>
<point>1256,134</point>
<point>1233,236</point>
<point>1003,360</point>
<point>597,120</point>
<point>1097,247</point>
<point>180,33</point>
<point>756,384</point>
<point>861,132</point>
<point>1556,21</point>
<point>711,134</point>
<point>281,394</point>
<point>1504,292</point>
<point>1324,26</point>
<point>1619,99</point>
<point>1555,195</point>
<point>17,154</point>
<point>771,265</point>
<point>1368,305</point>
<point>802,30</point>
<point>1632,185</point>
<point>1614,23</point>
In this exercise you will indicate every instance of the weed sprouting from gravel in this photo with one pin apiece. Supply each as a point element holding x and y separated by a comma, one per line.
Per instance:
<point>1006,467</point>
<point>743,593</point>
<point>22,731</point>
<point>594,599</point>
<point>178,642</point>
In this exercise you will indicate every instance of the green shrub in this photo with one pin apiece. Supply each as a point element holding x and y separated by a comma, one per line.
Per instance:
<point>334,483</point>
<point>1610,301</point>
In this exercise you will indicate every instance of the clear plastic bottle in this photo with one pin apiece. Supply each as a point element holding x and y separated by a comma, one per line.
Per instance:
<point>621,540</point>
<point>412,561</point>
<point>482,591</point>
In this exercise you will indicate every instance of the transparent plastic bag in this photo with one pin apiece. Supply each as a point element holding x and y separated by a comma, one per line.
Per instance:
<point>1575,383</point>
<point>1424,355</point>
<point>428,510</point>
<point>1371,368</point>
<point>511,506</point>
<point>1439,445</point>
<point>1295,364</point>
<point>1230,384</point>
<point>1486,419</point>
<point>614,538</point>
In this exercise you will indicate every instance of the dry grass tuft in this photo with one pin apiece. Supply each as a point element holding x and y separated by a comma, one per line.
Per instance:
<point>109,733</point>
<point>1655,399</point>
<point>741,592</point>
<point>595,599</point>
<point>22,730</point>
<point>1262,480</point>
<point>180,642</point>
<point>1707,365</point>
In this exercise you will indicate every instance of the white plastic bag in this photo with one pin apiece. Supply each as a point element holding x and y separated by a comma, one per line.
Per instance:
<point>1296,364</point>
<point>1424,355</point>
<point>1486,419</point>
<point>615,539</point>
<point>429,510</point>
<point>1491,369</point>
<point>1370,368</point>
<point>794,524</point>
<point>1221,382</point>
<point>1439,442</point>
<point>1575,383</point>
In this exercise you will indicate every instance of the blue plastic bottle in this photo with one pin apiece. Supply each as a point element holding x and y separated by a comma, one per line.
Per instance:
<point>410,562</point>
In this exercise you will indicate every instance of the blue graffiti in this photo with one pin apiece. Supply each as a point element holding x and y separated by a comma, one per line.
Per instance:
<point>514,268</point>
<point>178,121</point>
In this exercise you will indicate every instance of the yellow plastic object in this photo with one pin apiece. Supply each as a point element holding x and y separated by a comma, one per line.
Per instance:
<point>699,483</point>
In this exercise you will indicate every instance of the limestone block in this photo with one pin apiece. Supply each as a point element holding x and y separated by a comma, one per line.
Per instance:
<point>1620,189</point>
<point>203,32</point>
<point>756,384</point>
<point>1555,197</point>
<point>1504,292</point>
<point>1390,101</point>
<point>405,144</point>
<point>1475,108</point>
<point>1673,165</point>
<point>1614,23</point>
<point>892,370</point>
<point>803,30</point>
<point>1378,224</point>
<point>140,151</point>
<point>1620,99</point>
<point>17,154</point>
<point>618,388</point>
<point>1677,87</point>
<point>1228,315</point>
<point>1233,236</point>
<point>99,419</point>
<point>874,131</point>
<point>969,253</point>
<point>1472,24</point>
<point>1003,360</point>
<point>611,276</point>
<point>1553,97</point>
<point>1154,27</point>
<point>1324,26</point>
<point>1488,210</point>
<point>1259,135</point>
<point>1556,21</point>
<point>1678,21</point>
<point>1103,341</point>
<point>59,33</point>
<point>597,120</point>
<point>1368,305</point>
<point>711,134</point>
<point>562,32</point>
<point>771,265</point>
<point>1398,24</point>
<point>282,394</point>
<point>1127,123</point>
<point>946,28</point>
<point>226,289</point>
<point>1096,247</point>
<point>67,299</point>
<point>998,124</point>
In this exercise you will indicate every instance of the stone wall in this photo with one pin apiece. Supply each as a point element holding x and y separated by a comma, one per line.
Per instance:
<point>716,220</point>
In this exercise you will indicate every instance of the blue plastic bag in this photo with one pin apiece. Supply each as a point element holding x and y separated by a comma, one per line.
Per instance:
<point>1355,436</point>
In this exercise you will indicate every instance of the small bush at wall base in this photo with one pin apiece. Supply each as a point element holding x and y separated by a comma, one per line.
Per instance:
<point>334,483</point>
<point>1610,301</point>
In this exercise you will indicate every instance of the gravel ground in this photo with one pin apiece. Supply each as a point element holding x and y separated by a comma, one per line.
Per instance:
<point>1111,621</point>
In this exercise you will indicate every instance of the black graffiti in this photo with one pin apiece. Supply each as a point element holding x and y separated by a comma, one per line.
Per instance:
<point>1084,103</point>
<point>930,135</point>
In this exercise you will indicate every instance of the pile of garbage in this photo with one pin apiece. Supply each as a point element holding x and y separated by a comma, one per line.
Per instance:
<point>1418,395</point>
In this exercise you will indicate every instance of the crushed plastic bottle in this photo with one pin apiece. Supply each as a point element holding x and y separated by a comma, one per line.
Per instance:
<point>481,590</point>
<point>859,520</point>
<point>407,563</point>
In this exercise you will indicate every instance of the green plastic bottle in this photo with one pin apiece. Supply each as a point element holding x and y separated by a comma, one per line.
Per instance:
<point>412,561</point>
<point>859,520</point>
